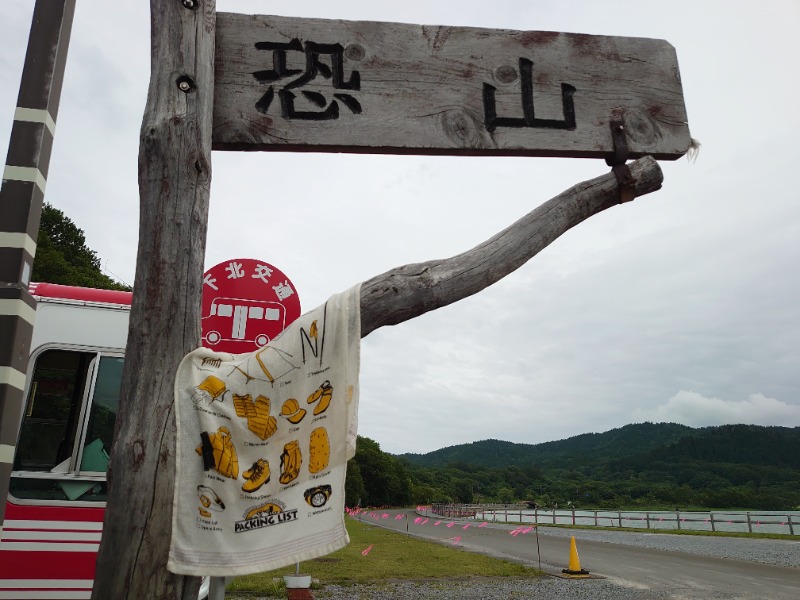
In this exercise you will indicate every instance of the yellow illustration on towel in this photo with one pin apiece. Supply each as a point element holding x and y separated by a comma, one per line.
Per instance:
<point>291,459</point>
<point>226,461</point>
<point>319,450</point>
<point>257,414</point>
<point>323,395</point>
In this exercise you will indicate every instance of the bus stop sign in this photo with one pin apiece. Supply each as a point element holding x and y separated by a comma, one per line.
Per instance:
<point>246,303</point>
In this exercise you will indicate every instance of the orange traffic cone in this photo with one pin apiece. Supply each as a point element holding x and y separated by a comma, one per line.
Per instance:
<point>574,562</point>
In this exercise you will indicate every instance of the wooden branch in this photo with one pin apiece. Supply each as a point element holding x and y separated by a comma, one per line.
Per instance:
<point>174,184</point>
<point>412,290</point>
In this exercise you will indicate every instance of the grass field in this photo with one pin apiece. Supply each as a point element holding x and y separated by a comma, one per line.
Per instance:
<point>391,556</point>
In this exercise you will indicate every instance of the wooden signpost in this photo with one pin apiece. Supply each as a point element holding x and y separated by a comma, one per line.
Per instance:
<point>351,86</point>
<point>276,83</point>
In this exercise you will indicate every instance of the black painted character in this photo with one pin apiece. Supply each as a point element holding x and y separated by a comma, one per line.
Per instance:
<point>314,67</point>
<point>529,119</point>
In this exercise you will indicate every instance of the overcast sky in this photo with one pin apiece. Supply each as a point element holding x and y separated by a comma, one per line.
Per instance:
<point>683,306</point>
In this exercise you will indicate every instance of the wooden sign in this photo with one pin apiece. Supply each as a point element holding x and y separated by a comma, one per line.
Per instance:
<point>344,86</point>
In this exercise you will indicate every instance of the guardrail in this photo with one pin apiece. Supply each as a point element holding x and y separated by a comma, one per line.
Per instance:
<point>725,521</point>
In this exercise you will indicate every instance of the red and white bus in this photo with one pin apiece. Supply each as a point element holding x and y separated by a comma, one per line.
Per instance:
<point>57,492</point>
<point>244,324</point>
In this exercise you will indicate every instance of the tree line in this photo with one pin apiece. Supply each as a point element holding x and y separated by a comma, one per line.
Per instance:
<point>63,257</point>
<point>736,466</point>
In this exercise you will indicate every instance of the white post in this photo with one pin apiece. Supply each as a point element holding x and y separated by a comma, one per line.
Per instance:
<point>216,590</point>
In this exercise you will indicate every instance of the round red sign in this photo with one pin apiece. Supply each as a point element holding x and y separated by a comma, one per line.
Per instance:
<point>246,303</point>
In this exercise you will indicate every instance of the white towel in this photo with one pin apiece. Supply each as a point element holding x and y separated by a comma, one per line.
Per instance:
<point>274,430</point>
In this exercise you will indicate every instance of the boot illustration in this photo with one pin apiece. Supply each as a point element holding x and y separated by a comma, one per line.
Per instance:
<point>323,394</point>
<point>256,476</point>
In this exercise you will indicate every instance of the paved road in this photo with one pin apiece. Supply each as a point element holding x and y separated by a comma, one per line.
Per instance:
<point>677,573</point>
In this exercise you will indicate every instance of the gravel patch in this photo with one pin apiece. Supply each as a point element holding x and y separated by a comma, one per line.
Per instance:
<point>547,588</point>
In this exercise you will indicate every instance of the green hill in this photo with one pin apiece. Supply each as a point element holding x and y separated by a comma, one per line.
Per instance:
<point>629,440</point>
<point>739,444</point>
<point>641,465</point>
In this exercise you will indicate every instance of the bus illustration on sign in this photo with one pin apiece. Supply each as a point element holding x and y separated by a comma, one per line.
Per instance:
<point>253,323</point>
<point>246,304</point>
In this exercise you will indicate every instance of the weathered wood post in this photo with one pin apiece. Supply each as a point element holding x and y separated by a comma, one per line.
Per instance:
<point>174,183</point>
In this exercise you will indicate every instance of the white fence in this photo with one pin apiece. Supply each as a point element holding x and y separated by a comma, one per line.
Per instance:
<point>753,522</point>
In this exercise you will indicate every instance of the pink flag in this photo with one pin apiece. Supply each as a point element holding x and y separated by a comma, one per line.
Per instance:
<point>450,524</point>
<point>484,524</point>
<point>456,539</point>
<point>366,550</point>
<point>436,524</point>
<point>465,526</point>
<point>425,521</point>
<point>418,520</point>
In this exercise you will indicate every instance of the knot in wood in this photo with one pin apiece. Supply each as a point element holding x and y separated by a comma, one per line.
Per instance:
<point>505,74</point>
<point>138,454</point>
<point>355,52</point>
<point>462,129</point>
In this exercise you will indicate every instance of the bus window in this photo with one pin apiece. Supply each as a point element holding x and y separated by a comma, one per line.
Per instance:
<point>51,417</point>
<point>104,406</point>
<point>60,415</point>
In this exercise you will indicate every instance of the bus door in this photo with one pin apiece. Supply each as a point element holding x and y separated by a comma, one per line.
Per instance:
<point>57,491</point>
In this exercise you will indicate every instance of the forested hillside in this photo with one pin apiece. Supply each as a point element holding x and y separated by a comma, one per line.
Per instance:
<point>589,447</point>
<point>643,465</point>
<point>62,255</point>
